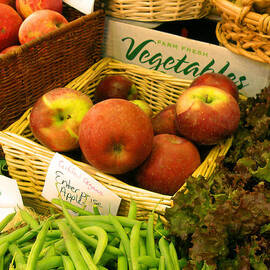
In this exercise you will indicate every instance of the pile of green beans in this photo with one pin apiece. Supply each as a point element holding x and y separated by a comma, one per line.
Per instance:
<point>87,240</point>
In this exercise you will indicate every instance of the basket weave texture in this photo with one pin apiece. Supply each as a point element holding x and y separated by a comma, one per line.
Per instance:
<point>243,31</point>
<point>28,161</point>
<point>158,11</point>
<point>47,62</point>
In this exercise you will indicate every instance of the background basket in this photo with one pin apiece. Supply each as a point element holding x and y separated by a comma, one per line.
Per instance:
<point>244,31</point>
<point>28,161</point>
<point>158,11</point>
<point>47,62</point>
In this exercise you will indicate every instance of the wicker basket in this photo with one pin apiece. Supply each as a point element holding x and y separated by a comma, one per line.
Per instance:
<point>158,11</point>
<point>49,61</point>
<point>28,161</point>
<point>243,31</point>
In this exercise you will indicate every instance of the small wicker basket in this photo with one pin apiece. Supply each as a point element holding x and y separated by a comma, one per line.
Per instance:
<point>243,31</point>
<point>49,61</point>
<point>28,161</point>
<point>158,11</point>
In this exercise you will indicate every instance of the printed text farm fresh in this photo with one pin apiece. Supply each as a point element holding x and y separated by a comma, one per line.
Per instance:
<point>183,65</point>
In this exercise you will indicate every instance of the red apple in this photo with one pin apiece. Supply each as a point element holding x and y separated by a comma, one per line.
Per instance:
<point>218,80</point>
<point>10,49</point>
<point>56,116</point>
<point>206,115</point>
<point>10,22</point>
<point>144,106</point>
<point>164,121</point>
<point>116,136</point>
<point>115,86</point>
<point>172,160</point>
<point>39,23</point>
<point>27,7</point>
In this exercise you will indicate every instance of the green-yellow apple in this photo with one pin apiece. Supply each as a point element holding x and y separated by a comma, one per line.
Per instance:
<point>56,116</point>
<point>172,160</point>
<point>206,115</point>
<point>40,23</point>
<point>115,136</point>
<point>164,121</point>
<point>10,22</point>
<point>144,106</point>
<point>115,86</point>
<point>27,7</point>
<point>218,80</point>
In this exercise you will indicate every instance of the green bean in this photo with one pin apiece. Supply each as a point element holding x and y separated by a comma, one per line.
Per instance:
<point>142,250</point>
<point>132,211</point>
<point>37,247</point>
<point>150,240</point>
<point>72,207</point>
<point>162,263</point>
<point>72,247</point>
<point>51,251</point>
<point>164,249</point>
<point>86,255</point>
<point>96,210</point>
<point>3,248</point>
<point>32,233</point>
<point>102,236</point>
<point>29,219</point>
<point>101,267</point>
<point>50,262</point>
<point>60,246</point>
<point>123,236</point>
<point>174,257</point>
<point>148,261</point>
<point>28,245</point>
<point>67,262</point>
<point>13,236</point>
<point>2,263</point>
<point>124,221</point>
<point>157,233</point>
<point>7,260</point>
<point>107,227</point>
<point>4,222</point>
<point>102,241</point>
<point>134,245</point>
<point>115,241</point>
<point>122,263</point>
<point>55,234</point>
<point>29,235</point>
<point>18,255</point>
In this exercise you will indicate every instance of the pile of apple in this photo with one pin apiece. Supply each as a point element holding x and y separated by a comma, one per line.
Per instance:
<point>118,133</point>
<point>22,21</point>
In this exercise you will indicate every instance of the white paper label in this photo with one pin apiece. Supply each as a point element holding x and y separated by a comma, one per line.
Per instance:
<point>84,6</point>
<point>181,57</point>
<point>10,196</point>
<point>77,187</point>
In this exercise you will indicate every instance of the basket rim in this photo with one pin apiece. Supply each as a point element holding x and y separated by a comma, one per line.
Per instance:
<point>156,11</point>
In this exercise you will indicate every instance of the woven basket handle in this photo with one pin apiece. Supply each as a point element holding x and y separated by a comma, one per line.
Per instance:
<point>263,19</point>
<point>245,9</point>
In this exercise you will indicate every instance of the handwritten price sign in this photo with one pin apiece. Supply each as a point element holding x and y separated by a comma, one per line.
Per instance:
<point>77,187</point>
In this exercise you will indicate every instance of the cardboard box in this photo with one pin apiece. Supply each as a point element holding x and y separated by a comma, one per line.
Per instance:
<point>181,57</point>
